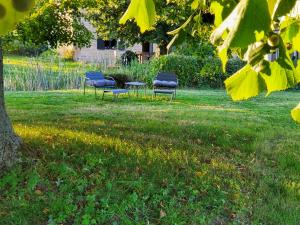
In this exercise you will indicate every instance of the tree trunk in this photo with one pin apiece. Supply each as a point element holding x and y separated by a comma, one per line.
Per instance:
<point>9,141</point>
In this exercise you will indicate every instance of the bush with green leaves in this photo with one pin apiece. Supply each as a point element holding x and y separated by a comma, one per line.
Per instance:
<point>211,73</point>
<point>120,79</point>
<point>17,47</point>
<point>200,49</point>
<point>128,57</point>
<point>185,67</point>
<point>234,64</point>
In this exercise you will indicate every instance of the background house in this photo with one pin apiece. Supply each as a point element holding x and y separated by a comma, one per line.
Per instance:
<point>108,52</point>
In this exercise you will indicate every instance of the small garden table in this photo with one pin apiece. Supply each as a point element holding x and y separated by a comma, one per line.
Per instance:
<point>115,92</point>
<point>136,86</point>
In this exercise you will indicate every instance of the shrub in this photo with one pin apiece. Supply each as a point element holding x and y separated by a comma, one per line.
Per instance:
<point>186,68</point>
<point>23,49</point>
<point>200,49</point>
<point>211,73</point>
<point>66,52</point>
<point>120,78</point>
<point>233,65</point>
<point>128,57</point>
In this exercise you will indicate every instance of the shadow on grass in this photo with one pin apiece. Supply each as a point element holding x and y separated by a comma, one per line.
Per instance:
<point>140,161</point>
<point>68,175</point>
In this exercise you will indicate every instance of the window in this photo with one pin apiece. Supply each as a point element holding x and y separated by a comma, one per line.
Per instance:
<point>100,44</point>
<point>106,44</point>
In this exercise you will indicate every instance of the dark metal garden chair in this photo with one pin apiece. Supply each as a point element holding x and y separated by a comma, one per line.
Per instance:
<point>98,80</point>
<point>165,83</point>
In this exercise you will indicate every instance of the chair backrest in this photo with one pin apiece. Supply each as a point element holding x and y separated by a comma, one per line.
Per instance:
<point>94,76</point>
<point>167,76</point>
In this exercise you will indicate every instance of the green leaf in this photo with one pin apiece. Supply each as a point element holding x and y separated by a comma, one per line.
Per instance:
<point>282,74</point>
<point>297,73</point>
<point>143,11</point>
<point>33,181</point>
<point>179,38</point>
<point>244,84</point>
<point>195,4</point>
<point>221,9</point>
<point>291,33</point>
<point>223,54</point>
<point>216,8</point>
<point>282,7</point>
<point>296,113</point>
<point>279,79</point>
<point>184,25</point>
<point>256,53</point>
<point>247,19</point>
<point>272,4</point>
<point>13,11</point>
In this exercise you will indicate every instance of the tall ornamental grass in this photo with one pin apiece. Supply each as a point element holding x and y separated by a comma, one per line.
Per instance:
<point>36,74</point>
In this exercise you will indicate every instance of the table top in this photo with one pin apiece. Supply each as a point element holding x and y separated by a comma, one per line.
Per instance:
<point>136,83</point>
<point>116,91</point>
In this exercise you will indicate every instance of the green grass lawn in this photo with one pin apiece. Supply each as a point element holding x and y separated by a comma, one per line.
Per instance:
<point>201,159</point>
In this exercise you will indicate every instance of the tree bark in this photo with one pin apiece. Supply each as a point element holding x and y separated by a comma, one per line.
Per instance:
<point>9,141</point>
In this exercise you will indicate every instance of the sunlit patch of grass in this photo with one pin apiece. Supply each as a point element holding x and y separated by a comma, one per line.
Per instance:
<point>200,159</point>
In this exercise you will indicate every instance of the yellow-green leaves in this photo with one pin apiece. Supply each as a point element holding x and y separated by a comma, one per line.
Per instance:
<point>260,75</point>
<point>280,78</point>
<point>216,8</point>
<point>248,18</point>
<point>296,113</point>
<point>282,7</point>
<point>245,84</point>
<point>297,73</point>
<point>143,11</point>
<point>222,9</point>
<point>11,12</point>
<point>198,4</point>
<point>241,28</point>
<point>290,32</point>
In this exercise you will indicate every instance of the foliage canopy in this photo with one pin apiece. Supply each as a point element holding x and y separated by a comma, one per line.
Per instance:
<point>105,16</point>
<point>50,23</point>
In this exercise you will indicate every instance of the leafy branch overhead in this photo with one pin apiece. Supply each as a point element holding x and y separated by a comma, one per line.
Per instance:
<point>262,32</point>
<point>143,11</point>
<point>11,12</point>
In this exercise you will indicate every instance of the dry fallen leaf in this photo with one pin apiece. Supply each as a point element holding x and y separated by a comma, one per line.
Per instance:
<point>162,214</point>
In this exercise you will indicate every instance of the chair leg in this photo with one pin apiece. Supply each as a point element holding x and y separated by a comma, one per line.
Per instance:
<point>84,88</point>
<point>95,92</point>
<point>103,95</point>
